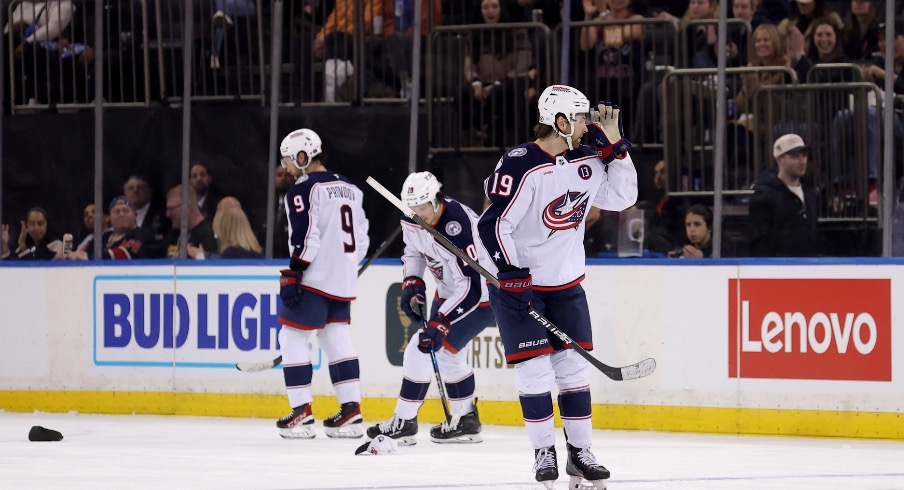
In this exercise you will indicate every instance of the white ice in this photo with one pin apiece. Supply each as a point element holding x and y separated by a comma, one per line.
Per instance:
<point>108,451</point>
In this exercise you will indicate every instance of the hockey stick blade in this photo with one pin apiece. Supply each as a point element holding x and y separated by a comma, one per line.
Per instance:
<point>639,370</point>
<point>254,367</point>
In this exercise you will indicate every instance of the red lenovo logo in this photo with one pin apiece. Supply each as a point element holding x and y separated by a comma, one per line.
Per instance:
<point>833,329</point>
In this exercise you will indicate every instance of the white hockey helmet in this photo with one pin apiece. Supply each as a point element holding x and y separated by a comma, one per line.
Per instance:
<point>300,140</point>
<point>421,188</point>
<point>565,100</point>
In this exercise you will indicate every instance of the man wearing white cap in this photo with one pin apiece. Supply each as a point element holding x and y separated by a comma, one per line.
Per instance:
<point>784,207</point>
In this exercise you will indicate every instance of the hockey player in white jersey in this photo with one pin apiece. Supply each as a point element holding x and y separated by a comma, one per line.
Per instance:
<point>460,311</point>
<point>327,240</point>
<point>540,194</point>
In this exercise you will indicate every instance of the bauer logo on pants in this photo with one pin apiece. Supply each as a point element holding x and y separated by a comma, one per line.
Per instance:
<point>831,329</point>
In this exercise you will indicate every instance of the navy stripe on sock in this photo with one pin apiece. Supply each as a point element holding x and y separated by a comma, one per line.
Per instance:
<point>574,404</point>
<point>345,370</point>
<point>461,389</point>
<point>298,375</point>
<point>413,391</point>
<point>536,407</point>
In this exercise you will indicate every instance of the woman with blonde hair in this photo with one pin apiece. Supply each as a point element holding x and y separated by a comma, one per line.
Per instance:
<point>234,235</point>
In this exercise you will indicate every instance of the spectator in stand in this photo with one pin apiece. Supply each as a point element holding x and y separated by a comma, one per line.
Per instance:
<point>495,68</point>
<point>35,241</point>
<point>860,35</point>
<point>616,51</point>
<point>784,207</point>
<point>698,225</point>
<point>138,191</point>
<point>804,13</point>
<point>234,235</point>
<point>769,50</point>
<point>52,64</point>
<point>842,126</point>
<point>397,39</point>
<point>201,181</point>
<point>124,241</point>
<point>694,36</point>
<point>148,216</point>
<point>665,226</point>
<point>282,182</point>
<point>201,238</point>
<point>88,220</point>
<point>334,43</point>
<point>223,20</point>
<point>749,10</point>
<point>824,45</point>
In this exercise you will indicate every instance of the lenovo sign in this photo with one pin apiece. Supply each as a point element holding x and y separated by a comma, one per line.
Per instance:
<point>834,329</point>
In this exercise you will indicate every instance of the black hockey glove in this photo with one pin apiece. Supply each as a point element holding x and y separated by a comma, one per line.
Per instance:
<point>414,298</point>
<point>433,335</point>
<point>608,132</point>
<point>290,288</point>
<point>515,291</point>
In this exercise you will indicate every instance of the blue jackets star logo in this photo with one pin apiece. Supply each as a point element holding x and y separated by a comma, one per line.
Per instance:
<point>565,212</point>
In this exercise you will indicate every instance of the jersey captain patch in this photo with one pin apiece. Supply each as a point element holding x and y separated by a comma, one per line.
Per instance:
<point>565,212</point>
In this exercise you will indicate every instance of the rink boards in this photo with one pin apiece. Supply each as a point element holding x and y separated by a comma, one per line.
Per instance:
<point>754,347</point>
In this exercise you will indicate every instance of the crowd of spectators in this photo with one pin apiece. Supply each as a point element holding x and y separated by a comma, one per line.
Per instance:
<point>498,69</point>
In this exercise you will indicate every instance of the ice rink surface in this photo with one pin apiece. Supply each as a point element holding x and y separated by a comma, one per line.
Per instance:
<point>110,451</point>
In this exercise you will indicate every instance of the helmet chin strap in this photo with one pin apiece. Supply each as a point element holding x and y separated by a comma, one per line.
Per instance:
<point>567,137</point>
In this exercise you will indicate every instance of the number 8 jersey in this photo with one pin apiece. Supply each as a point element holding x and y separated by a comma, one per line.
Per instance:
<point>328,230</point>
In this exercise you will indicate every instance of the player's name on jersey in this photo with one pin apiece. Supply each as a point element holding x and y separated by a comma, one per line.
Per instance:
<point>340,192</point>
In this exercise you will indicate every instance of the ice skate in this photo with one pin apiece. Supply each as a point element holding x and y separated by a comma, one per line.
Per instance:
<point>582,466</point>
<point>402,430</point>
<point>298,424</point>
<point>465,430</point>
<point>346,423</point>
<point>546,468</point>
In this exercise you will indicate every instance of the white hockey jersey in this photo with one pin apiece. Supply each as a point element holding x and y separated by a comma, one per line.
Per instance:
<point>462,288</point>
<point>327,229</point>
<point>538,206</point>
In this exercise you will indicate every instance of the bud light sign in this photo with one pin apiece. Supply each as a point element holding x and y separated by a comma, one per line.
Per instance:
<point>829,329</point>
<point>195,321</point>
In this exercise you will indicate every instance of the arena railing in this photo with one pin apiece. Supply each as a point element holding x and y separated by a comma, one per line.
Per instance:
<point>55,66</point>
<point>688,112</point>
<point>460,121</point>
<point>834,119</point>
<point>738,32</point>
<point>625,73</point>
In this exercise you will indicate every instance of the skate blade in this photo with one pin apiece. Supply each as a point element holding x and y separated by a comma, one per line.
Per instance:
<point>406,441</point>
<point>465,439</point>
<point>351,431</point>
<point>303,432</point>
<point>578,483</point>
<point>548,485</point>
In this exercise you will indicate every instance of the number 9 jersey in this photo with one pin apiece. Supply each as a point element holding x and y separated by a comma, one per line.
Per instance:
<point>327,230</point>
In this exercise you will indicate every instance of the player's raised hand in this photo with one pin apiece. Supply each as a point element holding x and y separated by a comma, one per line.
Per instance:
<point>608,131</point>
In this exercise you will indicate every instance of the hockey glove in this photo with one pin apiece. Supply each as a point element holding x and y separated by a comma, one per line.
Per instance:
<point>290,288</point>
<point>414,298</point>
<point>433,335</point>
<point>515,291</point>
<point>607,132</point>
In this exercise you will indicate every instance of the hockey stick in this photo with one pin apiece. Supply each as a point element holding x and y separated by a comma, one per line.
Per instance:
<point>637,370</point>
<point>253,367</point>
<point>439,384</point>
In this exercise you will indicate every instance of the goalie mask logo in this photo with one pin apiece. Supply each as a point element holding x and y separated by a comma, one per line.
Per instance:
<point>565,212</point>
